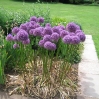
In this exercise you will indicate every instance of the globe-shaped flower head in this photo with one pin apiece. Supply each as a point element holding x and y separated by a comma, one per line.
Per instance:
<point>37,32</point>
<point>63,33</point>
<point>47,30</point>
<point>26,42</point>
<point>47,38</point>
<point>55,37</point>
<point>67,39</point>
<point>40,19</point>
<point>56,29</point>
<point>41,43</point>
<point>22,35</point>
<point>24,27</point>
<point>33,18</point>
<point>48,24</point>
<point>72,27</point>
<point>49,45</point>
<point>9,37</point>
<point>82,36</point>
<point>15,30</point>
<point>75,40</point>
<point>15,46</point>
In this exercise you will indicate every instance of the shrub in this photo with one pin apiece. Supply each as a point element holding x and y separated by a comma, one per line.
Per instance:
<point>58,21</point>
<point>3,56</point>
<point>10,19</point>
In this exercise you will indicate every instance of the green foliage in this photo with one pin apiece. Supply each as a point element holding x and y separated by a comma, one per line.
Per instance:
<point>76,1</point>
<point>10,19</point>
<point>3,56</point>
<point>58,21</point>
<point>38,11</point>
<point>13,55</point>
<point>76,58</point>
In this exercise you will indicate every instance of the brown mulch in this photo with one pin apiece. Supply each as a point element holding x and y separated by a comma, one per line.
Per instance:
<point>14,82</point>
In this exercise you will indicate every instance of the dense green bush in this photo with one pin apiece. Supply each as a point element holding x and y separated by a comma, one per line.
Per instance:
<point>3,56</point>
<point>58,21</point>
<point>10,19</point>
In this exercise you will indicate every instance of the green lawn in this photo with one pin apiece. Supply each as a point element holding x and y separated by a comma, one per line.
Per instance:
<point>86,16</point>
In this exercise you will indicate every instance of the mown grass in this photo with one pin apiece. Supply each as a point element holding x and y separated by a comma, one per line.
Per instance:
<point>87,16</point>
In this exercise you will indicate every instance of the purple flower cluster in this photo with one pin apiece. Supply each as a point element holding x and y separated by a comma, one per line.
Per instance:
<point>15,46</point>
<point>23,32</point>
<point>49,45</point>
<point>72,27</point>
<point>71,34</point>
<point>22,35</point>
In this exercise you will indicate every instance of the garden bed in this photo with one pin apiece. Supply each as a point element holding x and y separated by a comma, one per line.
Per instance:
<point>14,83</point>
<point>44,58</point>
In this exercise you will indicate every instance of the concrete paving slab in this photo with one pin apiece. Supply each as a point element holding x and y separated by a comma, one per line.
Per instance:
<point>88,36</point>
<point>89,67</point>
<point>89,56</point>
<point>89,85</point>
<point>88,71</point>
<point>85,97</point>
<point>88,41</point>
<point>89,47</point>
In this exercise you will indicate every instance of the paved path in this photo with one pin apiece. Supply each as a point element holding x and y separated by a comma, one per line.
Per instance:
<point>89,70</point>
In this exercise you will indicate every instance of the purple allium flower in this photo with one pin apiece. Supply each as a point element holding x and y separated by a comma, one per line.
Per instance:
<point>23,26</point>
<point>82,36</point>
<point>63,33</point>
<point>56,29</point>
<point>37,25</point>
<point>26,42</point>
<point>15,46</point>
<point>15,30</point>
<point>67,39</point>
<point>33,18</point>
<point>9,37</point>
<point>41,43</point>
<point>22,35</point>
<point>47,38</point>
<point>72,34</point>
<point>40,19</point>
<point>61,27</point>
<point>47,30</point>
<point>77,31</point>
<point>75,40</point>
<point>72,27</point>
<point>42,28</point>
<point>48,24</point>
<point>31,31</point>
<point>37,32</point>
<point>49,45</point>
<point>55,36</point>
<point>15,38</point>
<point>32,22</point>
<point>31,26</point>
<point>27,24</point>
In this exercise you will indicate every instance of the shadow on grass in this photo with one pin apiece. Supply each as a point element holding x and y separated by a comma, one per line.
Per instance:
<point>35,1</point>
